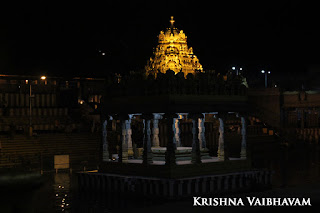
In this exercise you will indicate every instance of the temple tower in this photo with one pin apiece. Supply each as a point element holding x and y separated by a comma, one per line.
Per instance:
<point>173,53</point>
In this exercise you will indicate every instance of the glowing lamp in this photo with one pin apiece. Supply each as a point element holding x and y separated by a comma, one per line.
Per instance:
<point>43,77</point>
<point>262,71</point>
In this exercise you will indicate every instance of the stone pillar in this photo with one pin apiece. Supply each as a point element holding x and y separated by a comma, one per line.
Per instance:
<point>124,144</point>
<point>22,102</point>
<point>17,99</point>
<point>170,154</point>
<point>243,153</point>
<point>302,118</point>
<point>48,100</point>
<point>11,100</point>
<point>222,146</point>
<point>155,130</point>
<point>176,133</point>
<point>189,186</point>
<point>105,148</point>
<point>180,185</point>
<point>204,185</point>
<point>128,136</point>
<point>27,100</point>
<point>37,100</point>
<point>211,185</point>
<point>201,135</point>
<point>53,100</point>
<point>43,101</point>
<point>147,153</point>
<point>195,155</point>
<point>316,136</point>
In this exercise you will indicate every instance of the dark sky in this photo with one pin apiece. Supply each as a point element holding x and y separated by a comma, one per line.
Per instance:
<point>66,39</point>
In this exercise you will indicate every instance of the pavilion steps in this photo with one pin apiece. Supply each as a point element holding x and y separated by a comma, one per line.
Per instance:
<point>180,156</point>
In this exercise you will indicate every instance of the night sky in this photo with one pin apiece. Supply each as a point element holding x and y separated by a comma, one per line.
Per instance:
<point>66,39</point>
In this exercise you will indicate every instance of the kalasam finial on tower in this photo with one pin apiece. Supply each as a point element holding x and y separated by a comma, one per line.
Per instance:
<point>172,21</point>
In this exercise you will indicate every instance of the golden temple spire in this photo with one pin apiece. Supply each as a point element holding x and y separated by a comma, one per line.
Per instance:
<point>173,53</point>
<point>172,21</point>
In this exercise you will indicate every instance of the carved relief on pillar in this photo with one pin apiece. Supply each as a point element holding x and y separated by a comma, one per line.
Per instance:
<point>155,130</point>
<point>129,136</point>
<point>176,132</point>
<point>201,135</point>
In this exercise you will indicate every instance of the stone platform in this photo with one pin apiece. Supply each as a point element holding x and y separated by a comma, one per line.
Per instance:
<point>182,169</point>
<point>187,161</point>
<point>175,188</point>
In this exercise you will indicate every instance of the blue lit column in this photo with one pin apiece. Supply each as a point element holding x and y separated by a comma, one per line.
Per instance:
<point>201,135</point>
<point>155,130</point>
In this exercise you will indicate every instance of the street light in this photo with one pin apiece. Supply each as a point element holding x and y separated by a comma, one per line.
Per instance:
<point>30,104</point>
<point>265,77</point>
<point>237,70</point>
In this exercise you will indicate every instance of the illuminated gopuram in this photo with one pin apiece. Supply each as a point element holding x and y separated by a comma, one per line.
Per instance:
<point>154,129</point>
<point>173,53</point>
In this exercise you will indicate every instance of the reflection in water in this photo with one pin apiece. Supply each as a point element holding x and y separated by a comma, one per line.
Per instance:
<point>293,166</point>
<point>94,202</point>
<point>61,188</point>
